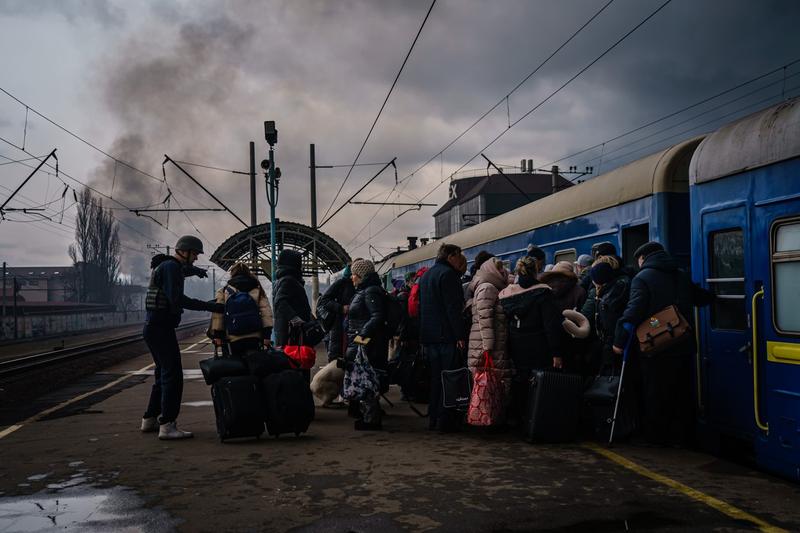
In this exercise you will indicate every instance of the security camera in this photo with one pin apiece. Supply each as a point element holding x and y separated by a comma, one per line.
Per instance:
<point>265,164</point>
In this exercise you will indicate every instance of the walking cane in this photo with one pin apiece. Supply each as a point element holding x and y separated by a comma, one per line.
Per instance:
<point>629,328</point>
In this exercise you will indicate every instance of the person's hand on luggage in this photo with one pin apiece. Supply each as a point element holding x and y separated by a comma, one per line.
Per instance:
<point>267,344</point>
<point>217,342</point>
<point>617,350</point>
<point>460,345</point>
<point>558,362</point>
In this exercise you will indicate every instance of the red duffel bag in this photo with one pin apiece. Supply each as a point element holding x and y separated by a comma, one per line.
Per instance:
<point>486,401</point>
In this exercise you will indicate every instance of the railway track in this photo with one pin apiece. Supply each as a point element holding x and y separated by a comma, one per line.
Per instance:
<point>19,365</point>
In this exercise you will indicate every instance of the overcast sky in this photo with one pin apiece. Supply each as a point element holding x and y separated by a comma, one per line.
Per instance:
<point>196,79</point>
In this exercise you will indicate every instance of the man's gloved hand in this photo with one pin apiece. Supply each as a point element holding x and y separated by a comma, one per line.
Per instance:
<point>194,271</point>
<point>215,307</point>
<point>361,340</point>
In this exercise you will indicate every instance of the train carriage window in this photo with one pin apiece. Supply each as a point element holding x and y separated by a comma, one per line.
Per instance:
<point>786,276</point>
<point>565,255</point>
<point>727,279</point>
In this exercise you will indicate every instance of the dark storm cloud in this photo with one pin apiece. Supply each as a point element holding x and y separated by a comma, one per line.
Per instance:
<point>74,11</point>
<point>197,83</point>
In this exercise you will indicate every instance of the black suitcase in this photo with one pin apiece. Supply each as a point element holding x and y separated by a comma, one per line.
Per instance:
<point>554,407</point>
<point>216,367</point>
<point>262,363</point>
<point>289,402</point>
<point>599,400</point>
<point>238,406</point>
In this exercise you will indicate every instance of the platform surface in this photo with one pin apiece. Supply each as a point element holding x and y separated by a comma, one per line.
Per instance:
<point>83,465</point>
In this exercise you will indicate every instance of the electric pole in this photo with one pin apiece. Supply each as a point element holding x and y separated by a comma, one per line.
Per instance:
<point>253,221</point>
<point>312,167</point>
<point>271,136</point>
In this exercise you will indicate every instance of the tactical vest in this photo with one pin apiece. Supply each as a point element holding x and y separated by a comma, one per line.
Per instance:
<point>156,300</point>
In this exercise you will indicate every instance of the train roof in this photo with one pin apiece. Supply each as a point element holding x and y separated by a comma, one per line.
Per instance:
<point>664,171</point>
<point>763,138</point>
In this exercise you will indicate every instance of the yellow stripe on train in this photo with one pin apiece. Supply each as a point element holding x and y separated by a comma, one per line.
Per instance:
<point>783,352</point>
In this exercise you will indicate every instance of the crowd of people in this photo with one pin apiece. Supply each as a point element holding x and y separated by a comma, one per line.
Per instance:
<point>452,318</point>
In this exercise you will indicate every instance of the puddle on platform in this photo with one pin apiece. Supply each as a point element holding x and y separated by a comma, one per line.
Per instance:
<point>202,403</point>
<point>84,509</point>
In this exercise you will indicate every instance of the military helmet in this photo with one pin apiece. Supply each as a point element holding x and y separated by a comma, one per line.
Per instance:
<point>189,243</point>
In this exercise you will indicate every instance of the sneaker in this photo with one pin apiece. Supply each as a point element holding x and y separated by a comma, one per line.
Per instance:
<point>170,431</point>
<point>149,425</point>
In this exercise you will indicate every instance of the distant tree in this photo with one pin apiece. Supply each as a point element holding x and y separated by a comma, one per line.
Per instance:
<point>96,251</point>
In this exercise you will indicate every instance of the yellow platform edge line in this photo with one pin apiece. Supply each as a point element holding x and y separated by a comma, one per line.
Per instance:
<point>11,429</point>
<point>715,503</point>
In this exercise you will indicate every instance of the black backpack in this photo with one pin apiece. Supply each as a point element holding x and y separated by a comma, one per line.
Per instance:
<point>395,314</point>
<point>242,316</point>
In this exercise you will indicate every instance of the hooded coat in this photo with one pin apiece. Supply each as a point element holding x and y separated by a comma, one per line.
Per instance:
<point>250,285</point>
<point>367,318</point>
<point>534,326</point>
<point>658,284</point>
<point>338,295</point>
<point>288,296</point>
<point>489,330</point>
<point>567,290</point>
<point>604,307</point>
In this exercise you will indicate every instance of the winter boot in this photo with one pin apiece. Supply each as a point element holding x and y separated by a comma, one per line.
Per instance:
<point>170,431</point>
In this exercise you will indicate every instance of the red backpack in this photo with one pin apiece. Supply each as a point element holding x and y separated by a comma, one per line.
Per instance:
<point>413,301</point>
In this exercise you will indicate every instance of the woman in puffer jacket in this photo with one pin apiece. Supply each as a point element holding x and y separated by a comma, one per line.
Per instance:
<point>242,280</point>
<point>489,330</point>
<point>366,329</point>
<point>604,307</point>
<point>535,332</point>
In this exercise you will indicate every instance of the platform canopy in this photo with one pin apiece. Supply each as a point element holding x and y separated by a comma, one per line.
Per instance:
<point>252,246</point>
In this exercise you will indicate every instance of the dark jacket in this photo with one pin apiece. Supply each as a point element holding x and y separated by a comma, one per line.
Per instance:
<point>658,284</point>
<point>567,291</point>
<point>333,301</point>
<point>534,326</point>
<point>604,309</point>
<point>441,303</point>
<point>289,302</point>
<point>367,318</point>
<point>165,300</point>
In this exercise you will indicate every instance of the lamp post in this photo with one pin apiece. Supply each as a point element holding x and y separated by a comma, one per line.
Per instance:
<point>273,176</point>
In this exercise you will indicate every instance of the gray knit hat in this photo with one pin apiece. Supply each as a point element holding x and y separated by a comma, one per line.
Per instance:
<point>584,260</point>
<point>362,267</point>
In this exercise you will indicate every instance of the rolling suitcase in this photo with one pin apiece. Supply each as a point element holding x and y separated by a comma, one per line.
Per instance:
<point>262,363</point>
<point>289,403</point>
<point>554,407</point>
<point>238,406</point>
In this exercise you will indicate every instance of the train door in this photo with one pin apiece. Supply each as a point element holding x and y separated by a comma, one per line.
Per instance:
<point>776,308</point>
<point>726,352</point>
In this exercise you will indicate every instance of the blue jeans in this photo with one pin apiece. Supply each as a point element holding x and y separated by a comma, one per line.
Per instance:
<point>441,357</point>
<point>165,396</point>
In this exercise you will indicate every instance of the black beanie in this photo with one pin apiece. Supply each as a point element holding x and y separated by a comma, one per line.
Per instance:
<point>647,249</point>
<point>536,252</point>
<point>605,248</point>
<point>290,258</point>
<point>602,273</point>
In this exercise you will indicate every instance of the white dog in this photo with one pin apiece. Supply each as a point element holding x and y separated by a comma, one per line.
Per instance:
<point>327,383</point>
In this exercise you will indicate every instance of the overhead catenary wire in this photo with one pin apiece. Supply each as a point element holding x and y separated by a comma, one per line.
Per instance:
<point>380,111</point>
<point>538,105</point>
<point>674,113</point>
<point>76,136</point>
<point>504,99</point>
<point>93,189</point>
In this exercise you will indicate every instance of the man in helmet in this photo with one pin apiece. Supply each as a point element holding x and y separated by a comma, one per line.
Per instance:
<point>165,303</point>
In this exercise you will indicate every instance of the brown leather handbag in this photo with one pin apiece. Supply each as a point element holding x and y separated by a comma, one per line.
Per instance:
<point>663,330</point>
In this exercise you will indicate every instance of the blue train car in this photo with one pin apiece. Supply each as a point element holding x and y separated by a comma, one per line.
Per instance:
<point>647,199</point>
<point>745,202</point>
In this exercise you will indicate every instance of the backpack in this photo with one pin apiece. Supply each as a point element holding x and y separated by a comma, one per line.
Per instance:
<point>413,301</point>
<point>394,314</point>
<point>242,316</point>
